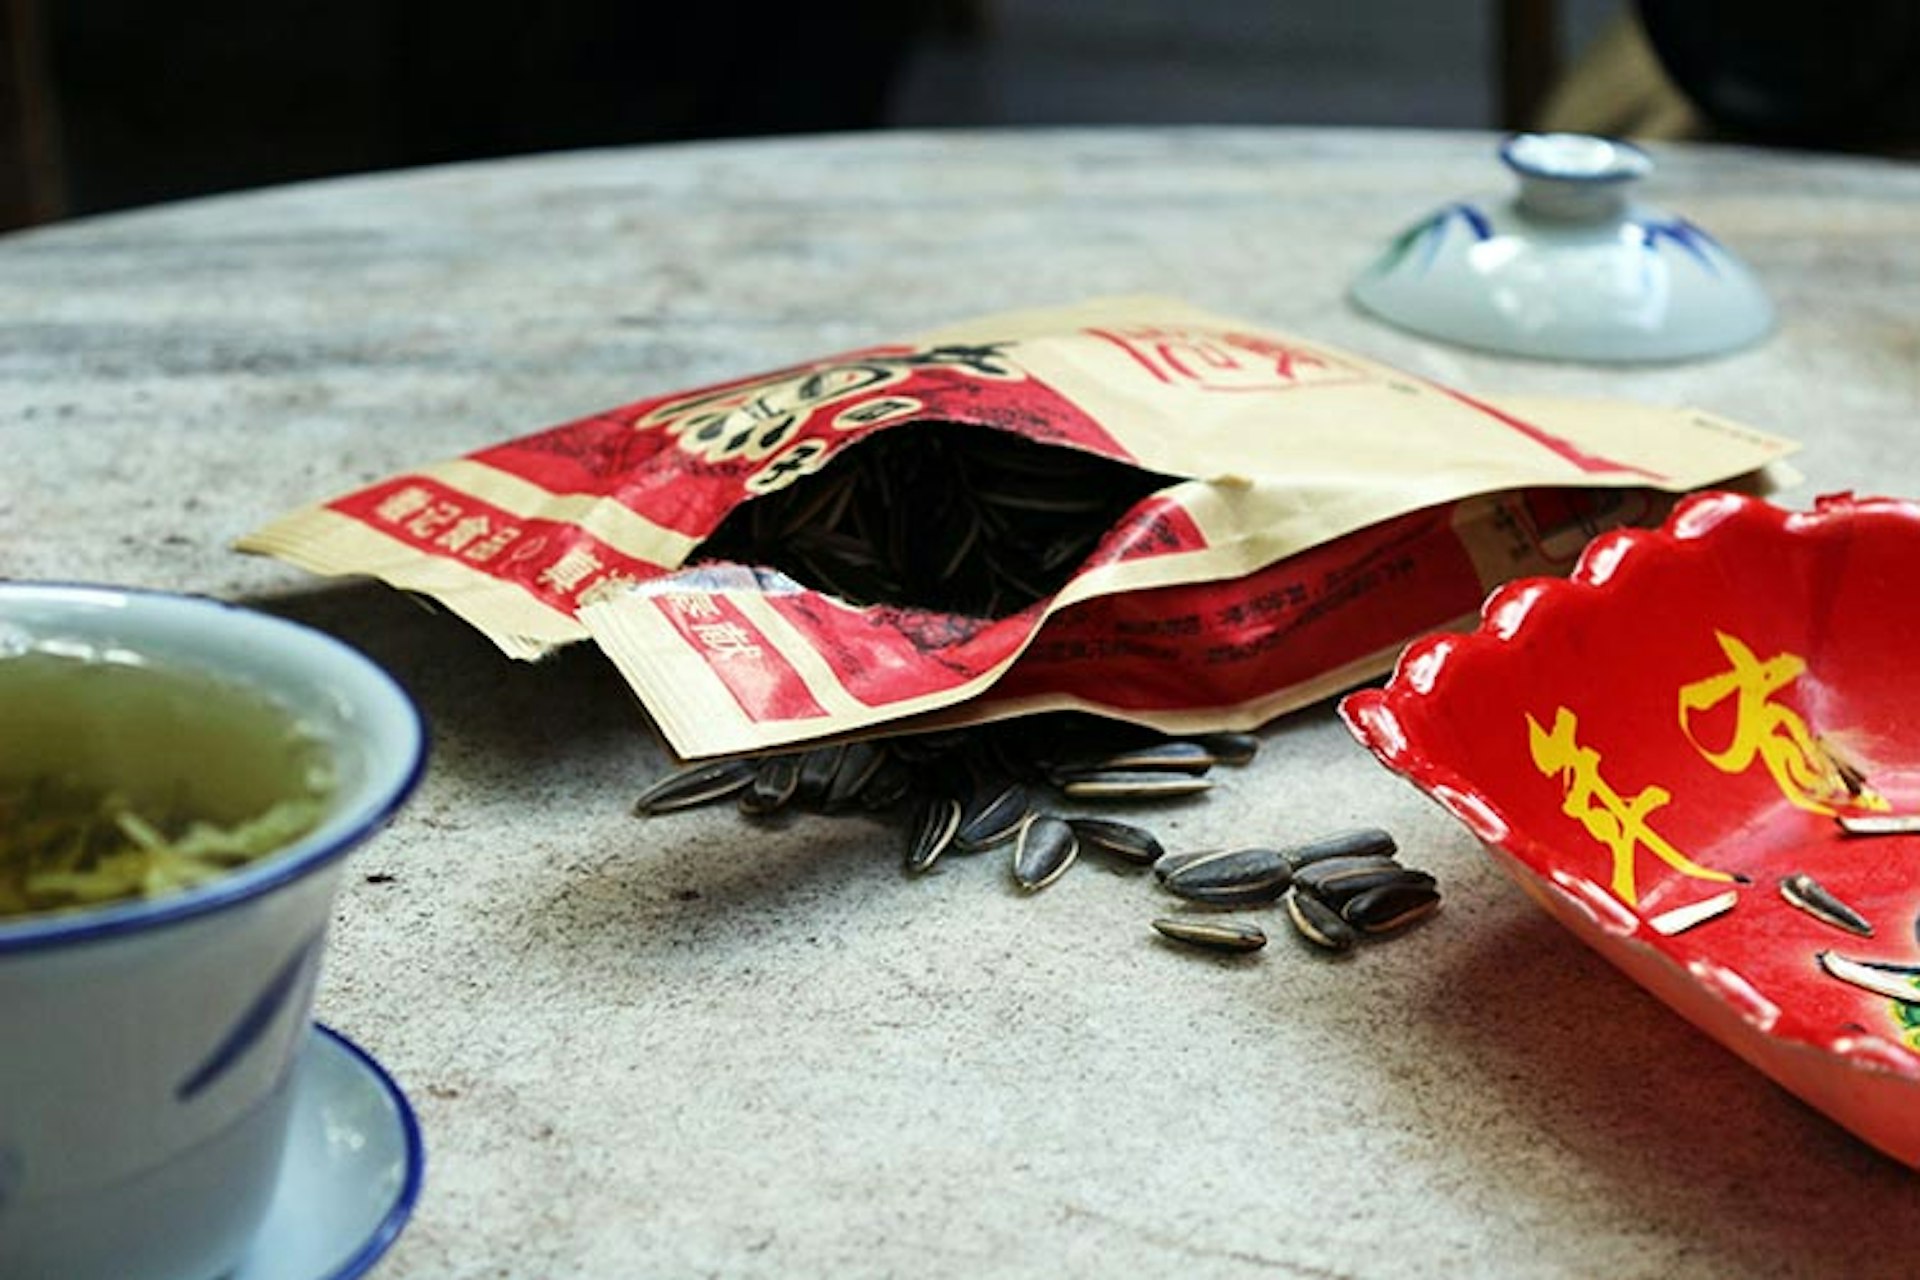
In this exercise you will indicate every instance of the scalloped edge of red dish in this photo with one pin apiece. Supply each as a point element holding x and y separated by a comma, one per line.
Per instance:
<point>1866,1082</point>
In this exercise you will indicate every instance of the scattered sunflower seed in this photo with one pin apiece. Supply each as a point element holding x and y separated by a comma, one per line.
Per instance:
<point>1172,756</point>
<point>1231,748</point>
<point>1362,870</point>
<point>774,782</point>
<point>1044,849</point>
<point>1319,923</point>
<point>976,789</point>
<point>1362,842</point>
<point>1244,876</point>
<point>933,830</point>
<point>1168,863</point>
<point>1127,784</point>
<point>1212,932</point>
<point>696,784</point>
<point>1122,840</point>
<point>1809,895</point>
<point>993,816</point>
<point>1390,906</point>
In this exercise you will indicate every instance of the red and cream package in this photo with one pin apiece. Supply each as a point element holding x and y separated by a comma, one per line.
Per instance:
<point>1303,513</point>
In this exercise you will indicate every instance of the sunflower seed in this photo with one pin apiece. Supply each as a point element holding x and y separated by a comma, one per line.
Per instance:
<point>1243,876</point>
<point>857,765</point>
<point>775,779</point>
<point>1362,842</point>
<point>1043,851</point>
<point>1326,874</point>
<point>887,786</point>
<point>1231,748</point>
<point>1172,756</point>
<point>1217,934</point>
<point>1339,887</point>
<point>696,784</point>
<point>1126,785</point>
<point>1391,906</point>
<point>817,767</point>
<point>943,516</point>
<point>1803,891</point>
<point>1896,982</point>
<point>1319,923</point>
<point>933,828</point>
<point>994,816</point>
<point>1121,839</point>
<point>1168,863</point>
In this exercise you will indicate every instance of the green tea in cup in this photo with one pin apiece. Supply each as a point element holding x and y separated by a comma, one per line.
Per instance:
<point>121,778</point>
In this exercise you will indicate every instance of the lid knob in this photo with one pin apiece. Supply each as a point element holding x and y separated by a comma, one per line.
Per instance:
<point>1574,177</point>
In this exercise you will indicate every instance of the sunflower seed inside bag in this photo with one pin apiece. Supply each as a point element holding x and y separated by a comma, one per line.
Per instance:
<point>943,516</point>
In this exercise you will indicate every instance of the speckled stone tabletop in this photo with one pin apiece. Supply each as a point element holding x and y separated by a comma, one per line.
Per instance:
<point>684,1046</point>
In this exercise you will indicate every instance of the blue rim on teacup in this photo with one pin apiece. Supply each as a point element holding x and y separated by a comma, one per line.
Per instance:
<point>362,689</point>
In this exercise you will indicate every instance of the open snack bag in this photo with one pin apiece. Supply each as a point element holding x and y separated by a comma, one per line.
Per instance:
<point>1128,507</point>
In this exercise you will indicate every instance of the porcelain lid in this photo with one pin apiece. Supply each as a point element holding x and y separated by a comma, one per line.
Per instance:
<point>1569,266</point>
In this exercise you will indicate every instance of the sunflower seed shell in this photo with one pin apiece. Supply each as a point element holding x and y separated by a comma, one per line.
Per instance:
<point>1809,895</point>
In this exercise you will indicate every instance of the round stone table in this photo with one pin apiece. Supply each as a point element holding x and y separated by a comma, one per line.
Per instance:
<point>686,1046</point>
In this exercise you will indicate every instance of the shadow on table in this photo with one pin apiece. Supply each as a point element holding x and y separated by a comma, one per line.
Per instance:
<point>1683,1131</point>
<point>518,731</point>
<point>489,715</point>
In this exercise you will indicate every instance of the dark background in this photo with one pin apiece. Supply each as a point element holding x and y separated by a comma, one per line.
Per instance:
<point>106,104</point>
<point>110,103</point>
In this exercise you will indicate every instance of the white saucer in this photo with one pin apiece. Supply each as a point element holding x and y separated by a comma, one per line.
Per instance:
<point>351,1172</point>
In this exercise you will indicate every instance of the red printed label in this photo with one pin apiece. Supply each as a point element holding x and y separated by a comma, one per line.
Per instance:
<point>754,671</point>
<point>555,561</point>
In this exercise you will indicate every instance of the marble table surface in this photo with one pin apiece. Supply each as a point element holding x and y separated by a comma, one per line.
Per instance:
<point>684,1046</point>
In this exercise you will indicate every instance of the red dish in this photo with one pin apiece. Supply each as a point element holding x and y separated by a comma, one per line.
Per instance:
<point>1695,715</point>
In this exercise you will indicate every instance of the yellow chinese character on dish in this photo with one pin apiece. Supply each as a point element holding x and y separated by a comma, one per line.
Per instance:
<point>1805,771</point>
<point>1618,822</point>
